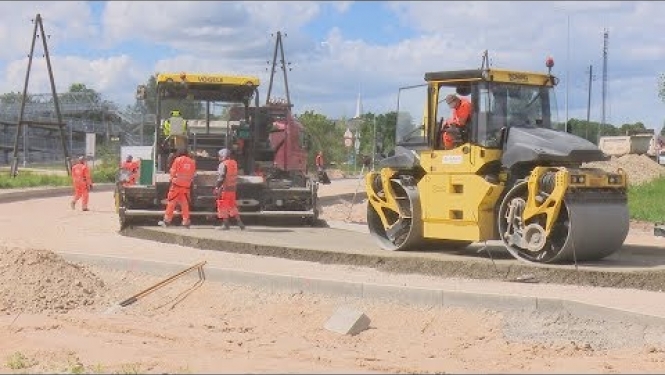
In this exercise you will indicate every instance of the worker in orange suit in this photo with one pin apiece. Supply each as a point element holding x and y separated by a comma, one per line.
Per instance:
<point>321,169</point>
<point>132,166</point>
<point>454,126</point>
<point>82,181</point>
<point>319,161</point>
<point>183,171</point>
<point>225,191</point>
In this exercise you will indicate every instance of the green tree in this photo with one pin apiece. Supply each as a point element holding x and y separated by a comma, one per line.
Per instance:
<point>385,132</point>
<point>325,137</point>
<point>638,127</point>
<point>82,92</point>
<point>386,127</point>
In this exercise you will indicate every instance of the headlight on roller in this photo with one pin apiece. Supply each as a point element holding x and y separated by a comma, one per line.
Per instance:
<point>577,179</point>
<point>614,179</point>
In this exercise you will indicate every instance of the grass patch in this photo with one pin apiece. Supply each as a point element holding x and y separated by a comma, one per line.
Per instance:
<point>646,201</point>
<point>26,179</point>
<point>18,361</point>
<point>131,368</point>
<point>30,179</point>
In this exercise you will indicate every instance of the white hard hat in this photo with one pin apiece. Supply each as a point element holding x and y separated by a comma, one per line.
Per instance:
<point>223,153</point>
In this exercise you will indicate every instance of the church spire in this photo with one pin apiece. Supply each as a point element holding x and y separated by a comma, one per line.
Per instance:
<point>359,107</point>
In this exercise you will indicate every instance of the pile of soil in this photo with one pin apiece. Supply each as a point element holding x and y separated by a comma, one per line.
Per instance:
<point>340,211</point>
<point>335,174</point>
<point>37,281</point>
<point>639,168</point>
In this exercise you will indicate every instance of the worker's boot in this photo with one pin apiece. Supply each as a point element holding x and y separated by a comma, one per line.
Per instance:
<point>72,204</point>
<point>225,225</point>
<point>85,209</point>
<point>186,224</point>
<point>240,223</point>
<point>164,223</point>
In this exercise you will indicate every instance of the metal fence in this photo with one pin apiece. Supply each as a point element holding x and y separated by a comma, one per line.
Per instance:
<point>81,112</point>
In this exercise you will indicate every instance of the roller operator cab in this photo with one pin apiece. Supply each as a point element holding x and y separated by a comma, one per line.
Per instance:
<point>510,176</point>
<point>205,113</point>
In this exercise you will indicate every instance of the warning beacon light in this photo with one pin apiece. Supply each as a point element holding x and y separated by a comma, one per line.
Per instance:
<point>549,63</point>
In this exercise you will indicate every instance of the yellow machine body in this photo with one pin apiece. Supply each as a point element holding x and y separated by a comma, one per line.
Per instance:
<point>466,195</point>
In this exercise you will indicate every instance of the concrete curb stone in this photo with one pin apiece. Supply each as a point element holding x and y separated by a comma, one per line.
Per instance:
<point>45,192</point>
<point>437,298</point>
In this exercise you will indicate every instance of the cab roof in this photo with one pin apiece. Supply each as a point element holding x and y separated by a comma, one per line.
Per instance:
<point>212,87</point>
<point>494,75</point>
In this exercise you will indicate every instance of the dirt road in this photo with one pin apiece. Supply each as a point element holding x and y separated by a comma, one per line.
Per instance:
<point>191,327</point>
<point>53,319</point>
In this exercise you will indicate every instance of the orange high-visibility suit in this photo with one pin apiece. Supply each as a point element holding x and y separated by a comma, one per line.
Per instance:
<point>459,118</point>
<point>182,173</point>
<point>226,200</point>
<point>133,168</point>
<point>82,181</point>
<point>319,161</point>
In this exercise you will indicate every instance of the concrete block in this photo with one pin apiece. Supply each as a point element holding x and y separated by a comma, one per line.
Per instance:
<point>347,321</point>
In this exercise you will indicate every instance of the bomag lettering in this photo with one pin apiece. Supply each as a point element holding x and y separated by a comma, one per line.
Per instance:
<point>205,79</point>
<point>518,77</point>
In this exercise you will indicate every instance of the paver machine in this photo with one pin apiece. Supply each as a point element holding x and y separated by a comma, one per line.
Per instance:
<point>511,176</point>
<point>246,128</point>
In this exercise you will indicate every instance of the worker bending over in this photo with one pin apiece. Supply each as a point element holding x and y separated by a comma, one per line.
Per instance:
<point>456,126</point>
<point>82,181</point>
<point>132,166</point>
<point>183,171</point>
<point>225,191</point>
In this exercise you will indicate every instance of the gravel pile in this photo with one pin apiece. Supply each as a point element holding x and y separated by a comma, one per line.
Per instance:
<point>640,168</point>
<point>340,211</point>
<point>36,281</point>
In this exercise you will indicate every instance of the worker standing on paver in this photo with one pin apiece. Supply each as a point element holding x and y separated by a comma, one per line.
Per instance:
<point>183,171</point>
<point>132,167</point>
<point>225,191</point>
<point>82,181</point>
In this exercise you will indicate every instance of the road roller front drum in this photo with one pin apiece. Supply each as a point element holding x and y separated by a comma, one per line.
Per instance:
<point>578,233</point>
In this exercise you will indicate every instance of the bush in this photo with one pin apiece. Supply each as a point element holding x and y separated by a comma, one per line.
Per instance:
<point>108,167</point>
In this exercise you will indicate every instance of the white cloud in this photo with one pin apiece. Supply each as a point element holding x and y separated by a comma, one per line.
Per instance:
<point>342,6</point>
<point>115,76</point>
<point>235,37</point>
<point>237,29</point>
<point>67,21</point>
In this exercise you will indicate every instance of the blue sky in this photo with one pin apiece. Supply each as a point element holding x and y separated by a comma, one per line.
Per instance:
<point>339,48</point>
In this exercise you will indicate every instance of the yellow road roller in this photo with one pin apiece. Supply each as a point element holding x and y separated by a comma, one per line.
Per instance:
<point>508,175</point>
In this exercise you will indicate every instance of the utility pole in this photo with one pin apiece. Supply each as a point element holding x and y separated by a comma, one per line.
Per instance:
<point>374,144</point>
<point>606,37</point>
<point>285,66</point>
<point>567,65</point>
<point>21,124</point>
<point>588,105</point>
